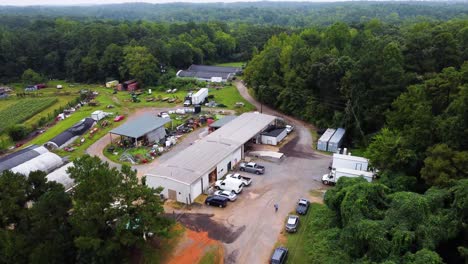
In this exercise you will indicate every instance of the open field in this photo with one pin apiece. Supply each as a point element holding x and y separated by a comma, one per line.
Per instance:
<point>22,110</point>
<point>231,64</point>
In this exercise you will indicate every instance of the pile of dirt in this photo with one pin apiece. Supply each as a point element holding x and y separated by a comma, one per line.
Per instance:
<point>193,246</point>
<point>215,230</point>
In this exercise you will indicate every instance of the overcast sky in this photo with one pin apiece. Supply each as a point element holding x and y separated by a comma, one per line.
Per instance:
<point>94,2</point>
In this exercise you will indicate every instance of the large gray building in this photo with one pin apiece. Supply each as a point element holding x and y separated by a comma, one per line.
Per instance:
<point>209,73</point>
<point>191,172</point>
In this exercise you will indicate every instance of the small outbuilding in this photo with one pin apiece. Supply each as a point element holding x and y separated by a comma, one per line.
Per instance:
<point>148,128</point>
<point>322,143</point>
<point>19,157</point>
<point>274,136</point>
<point>335,141</point>
<point>68,136</point>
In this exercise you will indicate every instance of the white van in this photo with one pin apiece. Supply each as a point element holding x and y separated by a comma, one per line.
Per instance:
<point>230,184</point>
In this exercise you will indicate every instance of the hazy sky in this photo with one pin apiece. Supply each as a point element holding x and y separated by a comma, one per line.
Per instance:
<point>94,2</point>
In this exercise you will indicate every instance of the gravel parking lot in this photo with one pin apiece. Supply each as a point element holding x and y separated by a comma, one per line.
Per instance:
<point>250,225</point>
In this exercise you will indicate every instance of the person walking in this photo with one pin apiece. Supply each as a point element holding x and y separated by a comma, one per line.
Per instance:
<point>276,207</point>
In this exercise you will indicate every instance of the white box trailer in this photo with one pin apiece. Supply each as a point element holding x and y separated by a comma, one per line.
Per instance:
<point>350,162</point>
<point>334,175</point>
<point>200,96</point>
<point>322,143</point>
<point>336,140</point>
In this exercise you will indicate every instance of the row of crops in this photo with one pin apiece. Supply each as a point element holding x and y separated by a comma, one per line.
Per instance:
<point>23,110</point>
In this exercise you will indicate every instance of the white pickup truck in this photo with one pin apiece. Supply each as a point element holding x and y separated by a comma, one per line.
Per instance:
<point>245,180</point>
<point>230,184</point>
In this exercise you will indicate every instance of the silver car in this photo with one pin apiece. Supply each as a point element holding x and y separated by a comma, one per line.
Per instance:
<point>231,195</point>
<point>292,224</point>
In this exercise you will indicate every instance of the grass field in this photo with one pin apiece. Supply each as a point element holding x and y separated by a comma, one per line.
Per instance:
<point>121,101</point>
<point>22,110</point>
<point>231,64</point>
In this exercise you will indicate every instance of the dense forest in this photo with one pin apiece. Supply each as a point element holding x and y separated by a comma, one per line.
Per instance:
<point>398,87</point>
<point>93,51</point>
<point>349,76</point>
<point>295,14</point>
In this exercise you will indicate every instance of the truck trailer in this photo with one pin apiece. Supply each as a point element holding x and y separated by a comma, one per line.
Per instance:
<point>335,174</point>
<point>349,162</point>
<point>199,97</point>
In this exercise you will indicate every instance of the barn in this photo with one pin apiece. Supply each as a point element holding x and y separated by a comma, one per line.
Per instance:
<point>191,172</point>
<point>209,73</point>
<point>145,128</point>
<point>68,136</point>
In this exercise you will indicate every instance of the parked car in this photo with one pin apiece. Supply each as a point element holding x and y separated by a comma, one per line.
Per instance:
<point>232,196</point>
<point>216,200</point>
<point>292,224</point>
<point>302,206</point>
<point>245,180</point>
<point>165,115</point>
<point>289,129</point>
<point>252,167</point>
<point>279,255</point>
<point>119,118</point>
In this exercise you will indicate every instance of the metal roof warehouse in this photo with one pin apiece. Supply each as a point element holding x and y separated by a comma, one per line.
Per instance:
<point>190,172</point>
<point>207,73</point>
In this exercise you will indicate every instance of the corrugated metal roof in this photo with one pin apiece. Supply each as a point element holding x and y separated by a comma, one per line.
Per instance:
<point>327,135</point>
<point>221,122</point>
<point>336,138</point>
<point>208,68</point>
<point>193,162</point>
<point>140,126</point>
<point>208,72</point>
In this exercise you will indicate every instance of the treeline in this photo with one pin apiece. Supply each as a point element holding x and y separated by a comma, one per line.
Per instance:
<point>402,93</point>
<point>417,210</point>
<point>295,14</point>
<point>92,51</point>
<point>349,76</point>
<point>108,217</point>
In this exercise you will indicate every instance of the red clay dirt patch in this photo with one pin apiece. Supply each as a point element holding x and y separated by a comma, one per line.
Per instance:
<point>193,246</point>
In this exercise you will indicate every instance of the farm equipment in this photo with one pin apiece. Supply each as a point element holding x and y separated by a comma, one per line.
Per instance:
<point>135,98</point>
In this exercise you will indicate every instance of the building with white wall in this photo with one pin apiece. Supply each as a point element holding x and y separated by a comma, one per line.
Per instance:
<point>191,172</point>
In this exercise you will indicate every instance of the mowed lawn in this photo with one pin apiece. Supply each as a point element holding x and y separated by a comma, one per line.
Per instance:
<point>231,64</point>
<point>229,96</point>
<point>123,104</point>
